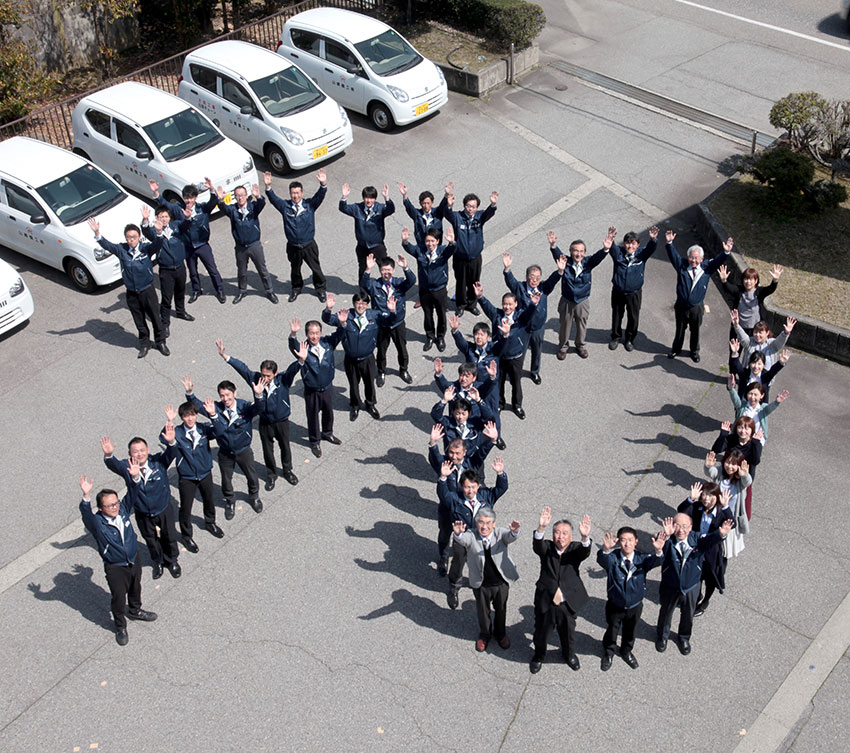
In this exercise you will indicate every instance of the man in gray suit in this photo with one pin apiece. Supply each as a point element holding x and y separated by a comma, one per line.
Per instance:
<point>490,570</point>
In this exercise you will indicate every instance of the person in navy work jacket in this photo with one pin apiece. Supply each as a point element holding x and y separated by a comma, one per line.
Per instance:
<point>576,279</point>
<point>360,326</point>
<point>316,356</point>
<point>275,409</point>
<point>196,234</point>
<point>468,226</point>
<point>432,263</point>
<point>194,469</point>
<point>119,548</point>
<point>692,278</point>
<point>461,423</point>
<point>299,226</point>
<point>627,285</point>
<point>681,572</point>
<point>369,216</point>
<point>172,264</point>
<point>245,228</point>
<point>146,477</point>
<point>626,570</point>
<point>232,421</point>
<point>390,328</point>
<point>523,292</point>
<point>137,259</point>
<point>425,218</point>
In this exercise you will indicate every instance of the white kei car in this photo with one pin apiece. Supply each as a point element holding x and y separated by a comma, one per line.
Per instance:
<point>16,304</point>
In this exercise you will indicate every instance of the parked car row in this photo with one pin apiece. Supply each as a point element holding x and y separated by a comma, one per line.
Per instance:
<point>234,99</point>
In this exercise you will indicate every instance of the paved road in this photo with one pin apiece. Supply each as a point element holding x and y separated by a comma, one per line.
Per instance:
<point>321,624</point>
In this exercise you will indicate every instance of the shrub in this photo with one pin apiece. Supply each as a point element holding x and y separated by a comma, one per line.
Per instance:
<point>785,171</point>
<point>832,127</point>
<point>502,21</point>
<point>826,194</point>
<point>797,114</point>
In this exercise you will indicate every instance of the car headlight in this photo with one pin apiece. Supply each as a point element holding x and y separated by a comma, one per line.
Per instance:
<point>399,94</point>
<point>248,166</point>
<point>100,253</point>
<point>343,114</point>
<point>440,74</point>
<point>293,137</point>
<point>17,288</point>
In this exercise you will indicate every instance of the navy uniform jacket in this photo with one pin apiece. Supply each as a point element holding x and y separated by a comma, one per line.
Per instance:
<point>433,275</point>
<point>629,268</point>
<point>491,351</point>
<point>624,593</point>
<point>137,273</point>
<point>149,497</point>
<point>112,550</point>
<point>319,375</point>
<point>375,288</point>
<point>453,504</point>
<point>714,563</point>
<point>274,404</point>
<point>368,226</point>
<point>194,462</point>
<point>687,293</point>
<point>245,228</point>
<point>299,227</point>
<point>559,572</point>
<point>234,436</point>
<point>421,223</point>
<point>525,321</point>
<point>195,230</point>
<point>172,253</point>
<point>469,231</point>
<point>576,288</point>
<point>486,391</point>
<point>685,579</point>
<point>523,291</point>
<point>360,344</point>
<point>474,424</point>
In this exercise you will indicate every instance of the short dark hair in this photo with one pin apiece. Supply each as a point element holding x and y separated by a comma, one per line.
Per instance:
<point>467,367</point>
<point>469,476</point>
<point>296,184</point>
<point>104,493</point>
<point>269,365</point>
<point>136,440</point>
<point>471,197</point>
<point>711,489</point>
<point>750,274</point>
<point>461,404</point>
<point>187,409</point>
<point>744,421</point>
<point>311,323</point>
<point>189,191</point>
<point>625,529</point>
<point>508,295</point>
<point>481,327</point>
<point>755,386</point>
<point>529,270</point>
<point>457,442</point>
<point>386,261</point>
<point>576,242</point>
<point>757,355</point>
<point>131,226</point>
<point>425,195</point>
<point>629,237</point>
<point>163,208</point>
<point>762,326</point>
<point>360,295</point>
<point>562,522</point>
<point>226,385</point>
<point>434,233</point>
<point>369,192</point>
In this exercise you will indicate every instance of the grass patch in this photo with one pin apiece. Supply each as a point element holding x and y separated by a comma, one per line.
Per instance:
<point>812,248</point>
<point>445,45</point>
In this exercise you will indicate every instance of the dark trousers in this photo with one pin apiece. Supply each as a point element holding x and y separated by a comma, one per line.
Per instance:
<point>187,487</point>
<point>172,283</point>
<point>399,337</point>
<point>467,272</point>
<point>563,619</point>
<point>458,561</point>
<point>144,304</point>
<point>227,461</point>
<point>434,302</point>
<point>497,596</point>
<point>510,369</point>
<point>363,251</point>
<point>361,371</point>
<point>268,434</point>
<point>670,599</point>
<point>125,585</point>
<point>687,317</point>
<point>203,254</point>
<point>162,548</point>
<point>535,345</point>
<point>628,304</point>
<point>255,253</point>
<point>297,256</point>
<point>444,540</point>
<point>319,402</point>
<point>618,617</point>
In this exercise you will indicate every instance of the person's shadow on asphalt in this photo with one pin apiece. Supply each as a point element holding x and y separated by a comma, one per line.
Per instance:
<point>78,591</point>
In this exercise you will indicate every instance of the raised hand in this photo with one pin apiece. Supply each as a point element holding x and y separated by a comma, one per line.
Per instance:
<point>789,324</point>
<point>255,191</point>
<point>759,435</point>
<point>726,426</point>
<point>402,189</point>
<point>696,490</point>
<point>507,259</point>
<point>494,197</point>
<point>392,303</point>
<point>267,179</point>
<point>492,368</point>
<point>187,384</point>
<point>474,395</point>
<point>545,518</point>
<point>726,526</point>
<point>491,432</point>
<point>561,264</point>
<point>449,394</point>
<point>733,315</point>
<point>608,541</point>
<point>608,240</point>
<point>303,350</point>
<point>653,232</point>
<point>448,234</point>
<point>776,272</point>
<point>402,261</point>
<point>107,446</point>
<point>168,432</point>
<point>743,468</point>
<point>514,526</point>
<point>730,383</point>
<point>436,433</point>
<point>584,526</point>
<point>535,298</point>
<point>370,262</point>
<point>187,213</point>
<point>499,465</point>
<point>405,234</point>
<point>342,316</point>
<point>553,238</point>
<point>170,412</point>
<point>260,385</point>
<point>670,236</point>
<point>454,321</point>
<point>330,301</point>
<point>146,212</point>
<point>219,344</point>
<point>322,177</point>
<point>385,192</point>
<point>458,527</point>
<point>86,484</point>
<point>667,527</point>
<point>658,541</point>
<point>725,498</point>
<point>154,186</point>
<point>209,407</point>
<point>346,190</point>
<point>478,288</point>
<point>734,346</point>
<point>294,325</point>
<point>784,356</point>
<point>94,225</point>
<point>220,193</point>
<point>450,187</point>
<point>446,469</point>
<point>209,184</point>
<point>729,245</point>
<point>723,272</point>
<point>438,366</point>
<point>134,468</point>
<point>710,459</point>
<point>504,327</point>
<point>783,396</point>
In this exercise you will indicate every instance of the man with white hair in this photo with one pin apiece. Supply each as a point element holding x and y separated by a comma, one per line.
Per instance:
<point>692,279</point>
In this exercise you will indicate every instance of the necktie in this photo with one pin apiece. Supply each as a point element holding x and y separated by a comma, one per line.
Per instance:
<point>193,435</point>
<point>361,322</point>
<point>628,565</point>
<point>461,428</point>
<point>486,543</point>
<point>388,289</point>
<point>145,474</point>
<point>298,209</point>
<point>427,219</point>
<point>368,215</point>
<point>231,416</point>
<point>683,553</point>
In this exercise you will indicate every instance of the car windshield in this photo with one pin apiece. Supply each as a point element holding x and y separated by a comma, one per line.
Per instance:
<point>388,53</point>
<point>182,135</point>
<point>286,92</point>
<point>81,194</point>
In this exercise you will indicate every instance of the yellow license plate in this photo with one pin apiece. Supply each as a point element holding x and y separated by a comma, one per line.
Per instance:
<point>421,108</point>
<point>320,151</point>
<point>228,198</point>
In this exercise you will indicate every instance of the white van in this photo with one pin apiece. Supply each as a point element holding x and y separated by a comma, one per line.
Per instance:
<point>365,65</point>
<point>264,103</point>
<point>16,304</point>
<point>46,195</point>
<point>138,133</point>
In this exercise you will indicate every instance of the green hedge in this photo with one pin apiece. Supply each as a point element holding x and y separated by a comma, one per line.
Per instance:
<point>501,21</point>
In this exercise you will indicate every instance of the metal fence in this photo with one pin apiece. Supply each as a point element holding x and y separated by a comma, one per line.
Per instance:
<point>53,123</point>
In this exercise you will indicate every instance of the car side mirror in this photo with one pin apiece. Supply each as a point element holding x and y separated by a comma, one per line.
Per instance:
<point>143,154</point>
<point>38,219</point>
<point>246,110</point>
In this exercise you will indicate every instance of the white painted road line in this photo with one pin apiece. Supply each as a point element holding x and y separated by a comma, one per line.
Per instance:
<point>39,555</point>
<point>798,34</point>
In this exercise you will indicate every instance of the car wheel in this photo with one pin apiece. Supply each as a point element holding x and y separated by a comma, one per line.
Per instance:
<point>80,276</point>
<point>82,154</point>
<point>171,197</point>
<point>381,117</point>
<point>276,159</point>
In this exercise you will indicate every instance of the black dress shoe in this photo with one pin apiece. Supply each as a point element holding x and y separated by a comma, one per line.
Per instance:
<point>500,443</point>
<point>353,412</point>
<point>473,309</point>
<point>661,645</point>
<point>175,569</point>
<point>142,616</point>
<point>272,297</point>
<point>452,599</point>
<point>190,544</point>
<point>684,646</point>
<point>612,345</point>
<point>270,482</point>
<point>441,344</point>
<point>629,658</point>
<point>520,413</point>
<point>194,297</point>
<point>256,505</point>
<point>317,451</point>
<point>673,354</point>
<point>405,376</point>
<point>185,316</point>
<point>695,357</point>
<point>573,663</point>
<point>459,312</point>
<point>322,295</point>
<point>700,609</point>
<point>163,348</point>
<point>238,297</point>
<point>535,378</point>
<point>221,296</point>
<point>215,530</point>
<point>373,411</point>
<point>143,351</point>
<point>156,573</point>
<point>535,666</point>
<point>629,345</point>
<point>605,665</point>
<point>229,510</point>
<point>429,343</point>
<point>293,295</point>
<point>166,330</point>
<point>290,477</point>
<point>380,379</point>
<point>443,568</point>
<point>121,637</point>
<point>333,439</point>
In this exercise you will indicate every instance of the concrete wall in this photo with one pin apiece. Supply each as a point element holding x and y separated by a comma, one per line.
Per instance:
<point>477,84</point>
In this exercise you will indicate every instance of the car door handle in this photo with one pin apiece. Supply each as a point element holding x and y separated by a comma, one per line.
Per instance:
<point>85,134</point>
<point>328,70</point>
<point>12,218</point>
<point>120,154</point>
<point>225,108</point>
<point>193,91</point>
<point>293,55</point>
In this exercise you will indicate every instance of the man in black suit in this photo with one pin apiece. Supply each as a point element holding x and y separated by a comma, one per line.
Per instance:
<point>560,592</point>
<point>684,555</point>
